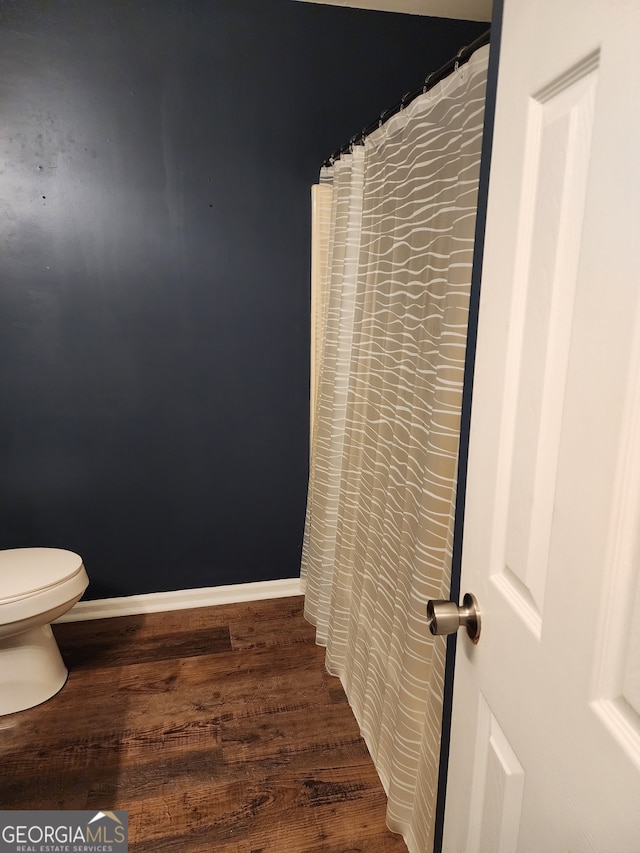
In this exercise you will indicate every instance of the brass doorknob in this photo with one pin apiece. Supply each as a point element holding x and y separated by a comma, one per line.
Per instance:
<point>445,617</point>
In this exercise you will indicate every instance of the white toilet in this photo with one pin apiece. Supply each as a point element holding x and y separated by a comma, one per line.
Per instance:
<point>37,585</point>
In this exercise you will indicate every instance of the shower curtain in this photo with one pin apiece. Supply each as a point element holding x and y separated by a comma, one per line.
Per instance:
<point>394,281</point>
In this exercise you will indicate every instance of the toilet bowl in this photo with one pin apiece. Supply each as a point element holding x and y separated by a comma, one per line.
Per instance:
<point>37,585</point>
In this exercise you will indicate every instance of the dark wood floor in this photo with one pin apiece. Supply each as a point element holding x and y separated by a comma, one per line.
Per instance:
<point>218,729</point>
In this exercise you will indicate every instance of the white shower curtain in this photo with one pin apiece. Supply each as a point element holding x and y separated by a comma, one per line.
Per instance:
<point>379,527</point>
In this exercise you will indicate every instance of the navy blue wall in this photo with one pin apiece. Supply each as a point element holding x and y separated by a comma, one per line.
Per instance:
<point>154,266</point>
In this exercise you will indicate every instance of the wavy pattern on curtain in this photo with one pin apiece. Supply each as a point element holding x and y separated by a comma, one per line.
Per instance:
<point>379,527</point>
<point>321,224</point>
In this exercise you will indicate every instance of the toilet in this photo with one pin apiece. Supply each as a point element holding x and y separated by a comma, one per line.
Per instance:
<point>37,585</point>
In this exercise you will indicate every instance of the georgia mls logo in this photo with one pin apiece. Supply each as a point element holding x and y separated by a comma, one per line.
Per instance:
<point>64,832</point>
<point>118,831</point>
<point>111,815</point>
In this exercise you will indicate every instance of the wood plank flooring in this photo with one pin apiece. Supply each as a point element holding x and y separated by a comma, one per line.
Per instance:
<point>217,728</point>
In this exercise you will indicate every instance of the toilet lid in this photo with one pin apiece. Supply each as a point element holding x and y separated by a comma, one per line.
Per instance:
<point>26,571</point>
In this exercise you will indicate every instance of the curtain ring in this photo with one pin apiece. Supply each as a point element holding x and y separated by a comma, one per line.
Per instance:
<point>456,66</point>
<point>427,80</point>
<point>403,99</point>
<point>381,118</point>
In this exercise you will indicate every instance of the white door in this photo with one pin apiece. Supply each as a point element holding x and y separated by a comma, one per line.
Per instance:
<point>545,745</point>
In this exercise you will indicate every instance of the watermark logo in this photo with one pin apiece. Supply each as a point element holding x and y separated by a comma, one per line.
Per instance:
<point>64,832</point>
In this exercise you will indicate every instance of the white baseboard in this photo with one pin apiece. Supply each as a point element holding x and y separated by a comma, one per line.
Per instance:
<point>182,599</point>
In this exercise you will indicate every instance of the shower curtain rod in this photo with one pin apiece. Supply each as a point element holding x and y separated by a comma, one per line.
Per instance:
<point>464,55</point>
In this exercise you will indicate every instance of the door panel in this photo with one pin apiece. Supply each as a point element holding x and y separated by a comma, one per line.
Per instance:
<point>556,162</point>
<point>616,680</point>
<point>545,742</point>
<point>497,789</point>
